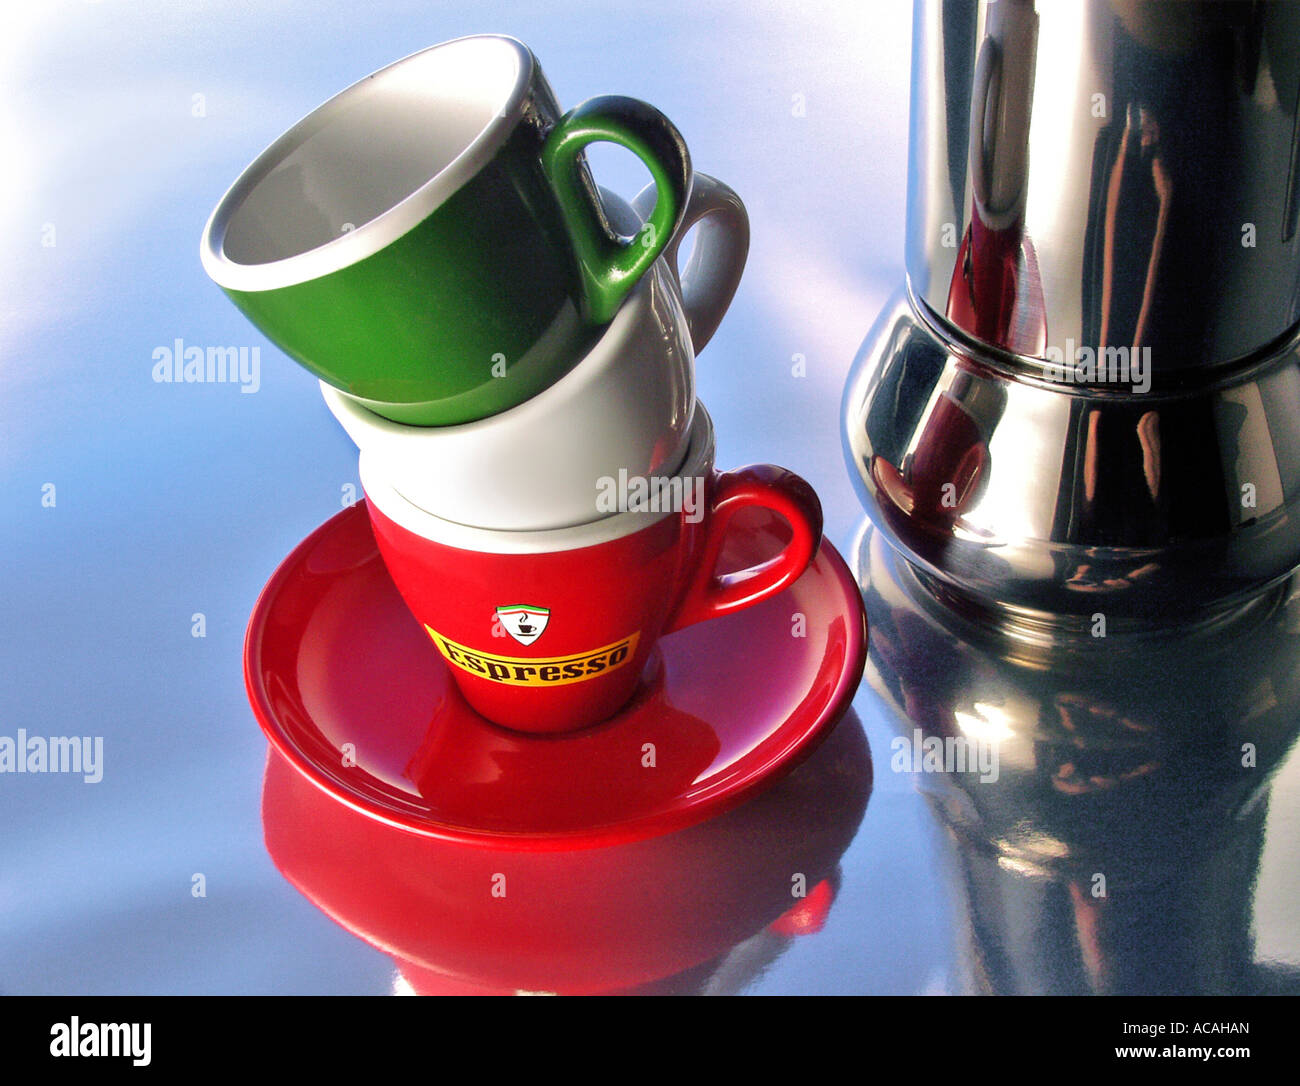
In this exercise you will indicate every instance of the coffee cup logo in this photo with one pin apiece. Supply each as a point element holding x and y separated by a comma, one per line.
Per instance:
<point>525,624</point>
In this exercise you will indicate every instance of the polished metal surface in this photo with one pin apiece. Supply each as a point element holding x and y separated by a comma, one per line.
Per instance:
<point>1042,500</point>
<point>1083,407</point>
<point>1097,174</point>
<point>1114,808</point>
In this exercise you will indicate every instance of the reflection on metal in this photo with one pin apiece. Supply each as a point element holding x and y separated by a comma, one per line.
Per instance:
<point>1116,847</point>
<point>1009,492</point>
<point>1087,400</point>
<point>1107,174</point>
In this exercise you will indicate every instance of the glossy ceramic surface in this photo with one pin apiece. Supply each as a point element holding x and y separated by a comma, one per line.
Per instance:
<point>624,410</point>
<point>547,632</point>
<point>338,672</point>
<point>429,240</point>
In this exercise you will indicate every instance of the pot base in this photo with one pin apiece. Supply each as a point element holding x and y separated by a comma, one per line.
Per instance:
<point>1050,504</point>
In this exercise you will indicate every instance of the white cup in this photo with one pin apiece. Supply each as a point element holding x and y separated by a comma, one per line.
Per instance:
<point>626,407</point>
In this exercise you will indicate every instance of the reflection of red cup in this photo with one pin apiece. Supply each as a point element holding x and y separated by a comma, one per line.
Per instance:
<point>549,631</point>
<point>943,472</point>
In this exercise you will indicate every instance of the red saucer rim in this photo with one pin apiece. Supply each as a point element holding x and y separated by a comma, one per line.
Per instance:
<point>724,794</point>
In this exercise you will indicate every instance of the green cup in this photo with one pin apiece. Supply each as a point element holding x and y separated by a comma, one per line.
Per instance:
<point>430,240</point>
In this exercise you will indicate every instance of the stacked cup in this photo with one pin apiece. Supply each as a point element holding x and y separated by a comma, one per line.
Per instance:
<point>513,352</point>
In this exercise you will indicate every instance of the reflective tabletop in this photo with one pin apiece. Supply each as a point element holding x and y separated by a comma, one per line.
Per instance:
<point>993,815</point>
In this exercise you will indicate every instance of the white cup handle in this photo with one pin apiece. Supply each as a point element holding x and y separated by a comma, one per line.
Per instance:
<point>709,281</point>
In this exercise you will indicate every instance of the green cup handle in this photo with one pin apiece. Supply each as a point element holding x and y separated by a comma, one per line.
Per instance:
<point>610,266</point>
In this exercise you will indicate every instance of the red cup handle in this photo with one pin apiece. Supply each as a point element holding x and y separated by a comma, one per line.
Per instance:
<point>768,487</point>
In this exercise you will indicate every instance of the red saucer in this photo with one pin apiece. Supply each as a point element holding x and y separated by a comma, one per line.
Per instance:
<point>351,691</point>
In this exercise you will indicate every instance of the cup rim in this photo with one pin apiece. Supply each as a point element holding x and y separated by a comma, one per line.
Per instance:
<point>403,512</point>
<point>375,234</point>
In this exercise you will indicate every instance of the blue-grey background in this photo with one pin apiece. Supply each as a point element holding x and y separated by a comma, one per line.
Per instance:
<point>122,124</point>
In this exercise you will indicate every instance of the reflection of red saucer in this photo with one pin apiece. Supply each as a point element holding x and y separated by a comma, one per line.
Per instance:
<point>710,905</point>
<point>349,689</point>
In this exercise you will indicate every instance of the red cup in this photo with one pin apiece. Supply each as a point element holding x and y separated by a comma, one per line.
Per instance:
<point>550,631</point>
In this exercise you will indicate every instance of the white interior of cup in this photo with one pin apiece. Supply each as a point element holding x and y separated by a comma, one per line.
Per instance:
<point>368,165</point>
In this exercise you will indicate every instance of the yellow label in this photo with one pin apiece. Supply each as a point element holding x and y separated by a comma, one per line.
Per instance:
<point>548,671</point>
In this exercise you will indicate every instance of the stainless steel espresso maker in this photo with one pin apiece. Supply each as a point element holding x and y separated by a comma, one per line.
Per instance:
<point>1086,400</point>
